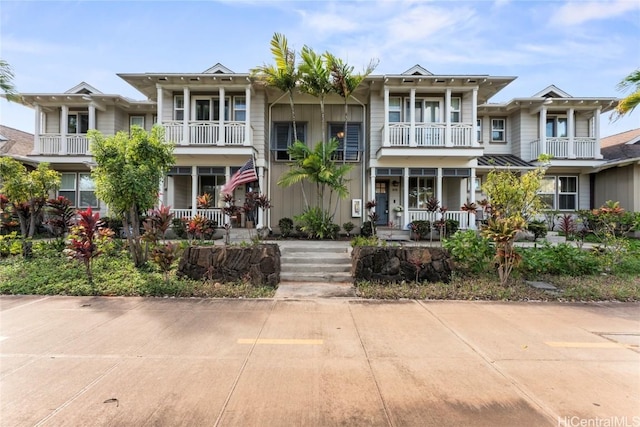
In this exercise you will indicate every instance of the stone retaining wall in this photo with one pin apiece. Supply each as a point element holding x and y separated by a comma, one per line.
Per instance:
<point>259,265</point>
<point>395,264</point>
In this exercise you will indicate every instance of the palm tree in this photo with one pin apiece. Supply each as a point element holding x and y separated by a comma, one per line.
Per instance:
<point>315,79</point>
<point>283,74</point>
<point>629,103</point>
<point>6,81</point>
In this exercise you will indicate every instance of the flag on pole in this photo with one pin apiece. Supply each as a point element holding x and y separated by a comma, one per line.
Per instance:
<point>246,173</point>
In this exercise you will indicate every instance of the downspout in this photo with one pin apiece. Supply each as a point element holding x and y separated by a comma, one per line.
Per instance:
<point>269,152</point>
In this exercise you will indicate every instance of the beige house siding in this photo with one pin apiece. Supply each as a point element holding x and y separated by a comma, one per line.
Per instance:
<point>529,131</point>
<point>376,122</point>
<point>617,184</point>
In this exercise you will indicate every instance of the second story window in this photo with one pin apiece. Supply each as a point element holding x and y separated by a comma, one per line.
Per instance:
<point>239,108</point>
<point>556,127</point>
<point>283,138</point>
<point>178,107</point>
<point>395,109</point>
<point>77,123</point>
<point>456,110</point>
<point>349,151</point>
<point>498,130</point>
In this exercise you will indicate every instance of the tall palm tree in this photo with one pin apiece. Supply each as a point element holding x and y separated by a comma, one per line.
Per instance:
<point>283,74</point>
<point>6,82</point>
<point>629,103</point>
<point>315,79</point>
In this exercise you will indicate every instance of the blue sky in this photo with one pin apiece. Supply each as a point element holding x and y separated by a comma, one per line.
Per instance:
<point>583,47</point>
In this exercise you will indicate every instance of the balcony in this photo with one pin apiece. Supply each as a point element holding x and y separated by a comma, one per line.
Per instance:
<point>585,148</point>
<point>445,141</point>
<point>208,133</point>
<point>55,144</point>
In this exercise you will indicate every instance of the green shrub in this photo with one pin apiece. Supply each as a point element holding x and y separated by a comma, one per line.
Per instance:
<point>347,227</point>
<point>365,241</point>
<point>538,228</point>
<point>451,226</point>
<point>366,230</point>
<point>471,252</point>
<point>421,228</point>
<point>179,226</point>
<point>562,259</point>
<point>10,244</point>
<point>286,226</point>
<point>316,224</point>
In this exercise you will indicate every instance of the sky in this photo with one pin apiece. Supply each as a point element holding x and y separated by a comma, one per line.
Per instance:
<point>583,47</point>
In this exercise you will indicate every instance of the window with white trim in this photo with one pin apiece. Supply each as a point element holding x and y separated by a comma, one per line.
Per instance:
<point>479,130</point>
<point>395,109</point>
<point>283,138</point>
<point>556,126</point>
<point>498,130</point>
<point>136,121</point>
<point>547,192</point>
<point>78,123</point>
<point>350,151</point>
<point>560,192</point>
<point>456,110</point>
<point>87,191</point>
<point>420,190</point>
<point>68,187</point>
<point>239,108</point>
<point>178,107</point>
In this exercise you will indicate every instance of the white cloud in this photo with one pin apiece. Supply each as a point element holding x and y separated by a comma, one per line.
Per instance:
<point>578,12</point>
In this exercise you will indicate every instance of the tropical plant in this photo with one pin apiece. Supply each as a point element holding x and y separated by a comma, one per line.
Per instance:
<point>28,193</point>
<point>205,201</point>
<point>315,80</point>
<point>631,101</point>
<point>568,226</point>
<point>538,228</point>
<point>6,82</point>
<point>230,210</point>
<point>157,223</point>
<point>60,215</point>
<point>502,231</point>
<point>470,252</point>
<point>286,226</point>
<point>348,227</point>
<point>163,256</point>
<point>129,168</point>
<point>200,227</point>
<point>420,228</point>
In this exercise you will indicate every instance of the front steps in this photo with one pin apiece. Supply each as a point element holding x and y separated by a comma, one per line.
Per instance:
<point>315,261</point>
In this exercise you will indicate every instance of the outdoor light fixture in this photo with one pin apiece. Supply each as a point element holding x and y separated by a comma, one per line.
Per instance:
<point>340,134</point>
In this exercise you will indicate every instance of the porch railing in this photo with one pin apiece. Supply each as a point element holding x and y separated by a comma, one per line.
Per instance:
<point>429,134</point>
<point>206,132</point>
<point>461,216</point>
<point>212,214</point>
<point>560,148</point>
<point>51,144</point>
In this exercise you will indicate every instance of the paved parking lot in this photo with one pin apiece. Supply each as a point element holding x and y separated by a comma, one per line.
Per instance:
<point>320,362</point>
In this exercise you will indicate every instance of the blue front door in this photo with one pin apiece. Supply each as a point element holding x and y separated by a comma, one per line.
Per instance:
<point>382,203</point>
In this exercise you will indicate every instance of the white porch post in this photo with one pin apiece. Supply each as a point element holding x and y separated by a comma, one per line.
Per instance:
<point>596,131</point>
<point>385,131</point>
<point>447,118</point>
<point>221,138</point>
<point>92,120</point>
<point>474,118</point>
<point>571,134</point>
<point>186,116</point>
<point>472,198</point>
<point>64,123</point>
<point>159,103</point>
<point>261,213</point>
<point>161,191</point>
<point>37,131</point>
<point>543,131</point>
<point>194,190</point>
<point>405,197</point>
<point>439,186</point>
<point>412,115</point>
<point>373,188</point>
<point>247,124</point>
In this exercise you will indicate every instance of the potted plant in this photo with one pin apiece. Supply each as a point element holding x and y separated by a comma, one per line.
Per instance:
<point>398,210</point>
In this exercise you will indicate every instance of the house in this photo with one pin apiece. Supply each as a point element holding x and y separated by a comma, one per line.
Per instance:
<point>618,179</point>
<point>16,144</point>
<point>408,137</point>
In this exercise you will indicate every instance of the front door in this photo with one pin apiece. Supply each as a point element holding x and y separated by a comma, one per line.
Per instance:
<point>382,203</point>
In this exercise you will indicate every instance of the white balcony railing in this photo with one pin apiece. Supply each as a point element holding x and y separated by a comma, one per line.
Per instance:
<point>430,135</point>
<point>461,216</point>
<point>52,144</point>
<point>561,148</point>
<point>206,133</point>
<point>213,214</point>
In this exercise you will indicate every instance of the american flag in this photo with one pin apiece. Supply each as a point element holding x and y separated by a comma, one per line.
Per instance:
<point>246,173</point>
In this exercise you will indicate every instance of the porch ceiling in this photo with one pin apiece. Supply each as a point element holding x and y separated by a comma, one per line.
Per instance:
<point>429,153</point>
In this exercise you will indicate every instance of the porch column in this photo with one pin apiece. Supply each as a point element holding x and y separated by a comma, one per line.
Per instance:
<point>37,131</point>
<point>221,138</point>
<point>64,128</point>
<point>596,131</point>
<point>159,103</point>
<point>261,213</point>
<point>194,190</point>
<point>447,118</point>
<point>385,131</point>
<point>474,118</point>
<point>571,134</point>
<point>412,115</point>
<point>186,116</point>
<point>373,188</point>
<point>472,199</point>
<point>92,116</point>
<point>161,191</point>
<point>439,186</point>
<point>247,124</point>
<point>405,197</point>
<point>543,131</point>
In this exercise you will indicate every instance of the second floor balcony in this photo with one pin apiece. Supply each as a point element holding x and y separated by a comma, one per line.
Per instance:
<point>56,144</point>
<point>566,148</point>
<point>429,135</point>
<point>198,133</point>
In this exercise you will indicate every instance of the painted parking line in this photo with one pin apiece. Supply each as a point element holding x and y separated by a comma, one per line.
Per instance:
<point>567,344</point>
<point>280,341</point>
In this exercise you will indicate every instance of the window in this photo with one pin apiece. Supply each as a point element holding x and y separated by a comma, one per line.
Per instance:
<point>79,189</point>
<point>211,184</point>
<point>455,110</point>
<point>178,107</point>
<point>351,150</point>
<point>395,109</point>
<point>556,127</point>
<point>498,127</point>
<point>420,190</point>
<point>87,191</point>
<point>240,108</point>
<point>427,110</point>
<point>560,192</point>
<point>208,109</point>
<point>479,130</point>
<point>283,138</point>
<point>77,123</point>
<point>136,121</point>
<point>68,187</point>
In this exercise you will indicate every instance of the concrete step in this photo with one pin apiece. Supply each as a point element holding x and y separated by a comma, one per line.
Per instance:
<point>324,268</point>
<point>314,258</point>
<point>335,277</point>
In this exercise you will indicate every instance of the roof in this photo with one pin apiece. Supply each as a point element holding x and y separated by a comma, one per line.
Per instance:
<point>14,142</point>
<point>502,161</point>
<point>622,146</point>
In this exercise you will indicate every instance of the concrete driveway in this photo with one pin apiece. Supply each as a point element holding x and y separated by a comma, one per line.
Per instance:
<point>321,362</point>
